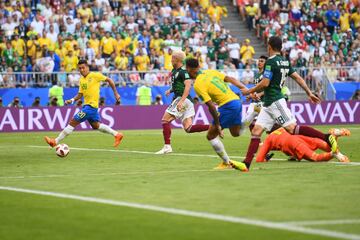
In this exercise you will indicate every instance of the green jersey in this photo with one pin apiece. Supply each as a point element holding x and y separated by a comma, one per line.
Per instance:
<point>178,77</point>
<point>277,69</point>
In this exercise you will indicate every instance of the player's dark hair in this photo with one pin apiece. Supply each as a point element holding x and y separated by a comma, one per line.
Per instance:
<point>83,61</point>
<point>275,43</point>
<point>192,63</point>
<point>263,57</point>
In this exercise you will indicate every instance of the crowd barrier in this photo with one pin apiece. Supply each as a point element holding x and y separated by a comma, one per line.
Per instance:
<point>344,91</point>
<point>149,117</point>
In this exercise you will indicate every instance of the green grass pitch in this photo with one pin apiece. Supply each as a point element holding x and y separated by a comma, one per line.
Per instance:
<point>291,193</point>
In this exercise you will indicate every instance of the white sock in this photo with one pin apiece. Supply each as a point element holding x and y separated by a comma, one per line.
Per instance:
<point>220,149</point>
<point>106,129</point>
<point>66,131</point>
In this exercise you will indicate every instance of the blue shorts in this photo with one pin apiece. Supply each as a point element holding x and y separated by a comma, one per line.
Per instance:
<point>87,113</point>
<point>230,114</point>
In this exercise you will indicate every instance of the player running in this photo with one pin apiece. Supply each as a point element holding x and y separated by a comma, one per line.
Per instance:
<point>182,106</point>
<point>274,109</point>
<point>211,86</point>
<point>89,88</point>
<point>254,107</point>
<point>300,147</point>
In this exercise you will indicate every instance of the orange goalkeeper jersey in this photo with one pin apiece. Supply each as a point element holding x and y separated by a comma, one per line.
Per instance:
<point>292,145</point>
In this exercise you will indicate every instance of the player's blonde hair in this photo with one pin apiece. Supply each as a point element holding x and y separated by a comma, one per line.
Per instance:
<point>179,55</point>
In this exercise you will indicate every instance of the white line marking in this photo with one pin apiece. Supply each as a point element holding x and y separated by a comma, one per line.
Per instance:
<point>181,154</point>
<point>325,222</point>
<point>114,173</point>
<point>183,212</point>
<point>137,173</point>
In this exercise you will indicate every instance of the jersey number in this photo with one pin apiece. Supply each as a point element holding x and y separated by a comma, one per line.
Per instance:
<point>284,74</point>
<point>81,114</point>
<point>222,86</point>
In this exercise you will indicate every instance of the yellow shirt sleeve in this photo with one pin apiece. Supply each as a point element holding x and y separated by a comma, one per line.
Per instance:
<point>201,91</point>
<point>99,77</point>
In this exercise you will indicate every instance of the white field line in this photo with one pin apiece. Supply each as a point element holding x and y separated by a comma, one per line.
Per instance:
<point>113,173</point>
<point>183,212</point>
<point>324,222</point>
<point>182,154</point>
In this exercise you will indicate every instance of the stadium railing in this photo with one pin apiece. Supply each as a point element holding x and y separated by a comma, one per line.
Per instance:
<point>320,80</point>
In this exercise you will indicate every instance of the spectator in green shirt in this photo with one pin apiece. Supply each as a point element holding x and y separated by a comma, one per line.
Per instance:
<point>57,91</point>
<point>143,95</point>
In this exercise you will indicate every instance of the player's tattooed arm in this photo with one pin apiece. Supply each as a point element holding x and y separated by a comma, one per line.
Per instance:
<point>74,99</point>
<point>258,88</point>
<point>113,87</point>
<point>301,82</point>
<point>235,82</point>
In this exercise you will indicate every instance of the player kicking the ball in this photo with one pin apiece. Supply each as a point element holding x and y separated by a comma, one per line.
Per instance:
<point>182,106</point>
<point>211,86</point>
<point>89,88</point>
<point>274,109</point>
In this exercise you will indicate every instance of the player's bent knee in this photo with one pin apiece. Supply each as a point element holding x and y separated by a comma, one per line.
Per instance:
<point>235,134</point>
<point>257,130</point>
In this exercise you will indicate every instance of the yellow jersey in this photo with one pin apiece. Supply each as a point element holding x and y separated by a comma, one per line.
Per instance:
<point>210,85</point>
<point>90,88</point>
<point>70,63</point>
<point>108,45</point>
<point>141,62</point>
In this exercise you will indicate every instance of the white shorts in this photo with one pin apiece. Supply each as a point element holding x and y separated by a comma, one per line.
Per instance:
<point>277,112</point>
<point>251,114</point>
<point>187,111</point>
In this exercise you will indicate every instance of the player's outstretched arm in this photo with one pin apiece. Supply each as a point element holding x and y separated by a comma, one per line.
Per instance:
<point>113,87</point>
<point>74,99</point>
<point>258,88</point>
<point>235,82</point>
<point>301,82</point>
<point>214,114</point>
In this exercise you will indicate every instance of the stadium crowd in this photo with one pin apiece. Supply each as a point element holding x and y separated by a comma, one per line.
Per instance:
<point>318,35</point>
<point>40,37</point>
<point>53,35</point>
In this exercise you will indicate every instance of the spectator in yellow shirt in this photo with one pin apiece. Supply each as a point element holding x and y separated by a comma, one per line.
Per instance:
<point>344,20</point>
<point>156,42</point>
<point>85,12</point>
<point>70,61</point>
<point>204,3</point>
<point>141,61</point>
<point>70,42</point>
<point>355,17</point>
<point>215,12</point>
<point>43,40</point>
<point>31,46</point>
<point>247,52</point>
<point>251,11</point>
<point>94,43</point>
<point>167,59</point>
<point>120,44</point>
<point>121,61</point>
<point>19,45</point>
<point>107,45</point>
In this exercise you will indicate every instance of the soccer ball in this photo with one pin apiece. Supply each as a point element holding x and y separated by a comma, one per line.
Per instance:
<point>62,150</point>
